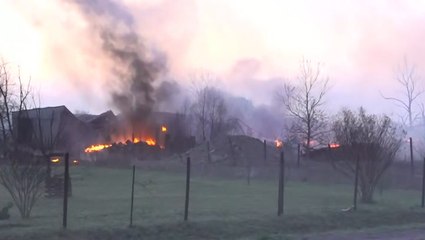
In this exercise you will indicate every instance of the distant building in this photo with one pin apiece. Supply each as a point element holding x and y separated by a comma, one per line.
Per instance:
<point>103,125</point>
<point>56,129</point>
<point>51,129</point>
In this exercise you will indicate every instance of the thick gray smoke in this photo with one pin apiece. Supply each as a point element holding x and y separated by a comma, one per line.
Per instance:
<point>134,66</point>
<point>138,68</point>
<point>169,96</point>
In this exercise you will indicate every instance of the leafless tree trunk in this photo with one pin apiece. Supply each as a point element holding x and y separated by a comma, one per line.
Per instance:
<point>304,102</point>
<point>408,82</point>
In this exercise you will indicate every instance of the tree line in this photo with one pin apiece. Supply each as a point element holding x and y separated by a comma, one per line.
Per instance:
<point>373,139</point>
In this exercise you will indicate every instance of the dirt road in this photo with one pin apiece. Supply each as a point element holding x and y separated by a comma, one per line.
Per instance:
<point>413,233</point>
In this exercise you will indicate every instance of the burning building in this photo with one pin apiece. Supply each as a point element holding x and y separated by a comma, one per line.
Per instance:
<point>158,130</point>
<point>106,135</point>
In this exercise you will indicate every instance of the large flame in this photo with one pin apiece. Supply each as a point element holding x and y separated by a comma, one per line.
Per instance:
<point>100,147</point>
<point>97,148</point>
<point>150,142</point>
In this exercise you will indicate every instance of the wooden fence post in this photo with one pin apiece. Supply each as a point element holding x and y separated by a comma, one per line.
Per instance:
<point>298,155</point>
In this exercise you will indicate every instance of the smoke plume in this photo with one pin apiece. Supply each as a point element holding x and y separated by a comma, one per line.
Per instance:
<point>134,66</point>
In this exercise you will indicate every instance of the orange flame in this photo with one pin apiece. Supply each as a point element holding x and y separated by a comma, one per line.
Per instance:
<point>150,142</point>
<point>278,143</point>
<point>164,129</point>
<point>100,147</point>
<point>97,148</point>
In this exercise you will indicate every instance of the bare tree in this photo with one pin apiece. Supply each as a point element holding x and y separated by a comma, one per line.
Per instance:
<point>21,172</point>
<point>201,84</point>
<point>13,98</point>
<point>23,178</point>
<point>217,111</point>
<point>210,109</point>
<point>408,82</point>
<point>373,140</point>
<point>304,102</point>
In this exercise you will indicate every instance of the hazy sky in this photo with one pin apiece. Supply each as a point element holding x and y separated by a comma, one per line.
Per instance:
<point>250,44</point>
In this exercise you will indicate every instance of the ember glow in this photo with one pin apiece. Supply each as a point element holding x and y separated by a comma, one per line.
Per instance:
<point>149,141</point>
<point>97,148</point>
<point>55,160</point>
<point>163,129</point>
<point>334,145</point>
<point>278,143</point>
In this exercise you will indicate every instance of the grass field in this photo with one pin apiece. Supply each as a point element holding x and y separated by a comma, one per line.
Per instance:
<point>220,208</point>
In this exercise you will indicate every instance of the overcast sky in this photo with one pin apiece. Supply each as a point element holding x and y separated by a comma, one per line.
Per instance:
<point>250,45</point>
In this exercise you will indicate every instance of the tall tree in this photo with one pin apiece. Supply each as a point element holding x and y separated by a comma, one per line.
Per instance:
<point>209,108</point>
<point>22,174</point>
<point>408,82</point>
<point>304,101</point>
<point>201,83</point>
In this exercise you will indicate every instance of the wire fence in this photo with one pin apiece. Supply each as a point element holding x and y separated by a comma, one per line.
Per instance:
<point>160,192</point>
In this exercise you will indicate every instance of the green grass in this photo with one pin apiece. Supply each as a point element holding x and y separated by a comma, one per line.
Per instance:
<point>219,208</point>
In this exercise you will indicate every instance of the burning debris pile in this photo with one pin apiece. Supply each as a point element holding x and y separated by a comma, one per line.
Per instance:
<point>146,141</point>
<point>122,141</point>
<point>118,142</point>
<point>123,153</point>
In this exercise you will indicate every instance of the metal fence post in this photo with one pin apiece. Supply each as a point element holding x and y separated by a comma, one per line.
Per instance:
<point>356,180</point>
<point>186,204</point>
<point>132,196</point>
<point>281,190</point>
<point>412,166</point>
<point>423,185</point>
<point>65,192</point>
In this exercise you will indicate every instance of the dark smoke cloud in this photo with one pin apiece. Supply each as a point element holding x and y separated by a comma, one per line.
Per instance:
<point>169,96</point>
<point>134,66</point>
